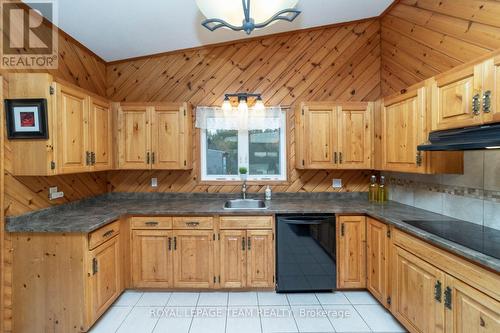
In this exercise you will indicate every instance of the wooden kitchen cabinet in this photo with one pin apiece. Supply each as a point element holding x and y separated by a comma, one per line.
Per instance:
<point>233,258</point>
<point>377,259</point>
<point>469,310</point>
<point>351,252</point>
<point>78,123</point>
<point>154,136</point>
<point>246,252</point>
<point>405,124</point>
<point>193,258</point>
<point>416,297</point>
<point>260,254</point>
<point>105,277</point>
<point>491,90</point>
<point>334,135</point>
<point>152,258</point>
<point>101,132</point>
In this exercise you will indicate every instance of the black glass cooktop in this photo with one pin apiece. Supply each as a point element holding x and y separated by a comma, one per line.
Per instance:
<point>482,239</point>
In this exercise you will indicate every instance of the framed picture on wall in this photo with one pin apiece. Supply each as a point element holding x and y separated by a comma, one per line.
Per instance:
<point>26,118</point>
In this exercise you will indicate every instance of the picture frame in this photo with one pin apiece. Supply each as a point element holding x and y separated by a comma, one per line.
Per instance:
<point>26,118</point>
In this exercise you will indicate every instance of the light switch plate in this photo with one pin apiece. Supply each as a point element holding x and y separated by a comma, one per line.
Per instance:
<point>154,182</point>
<point>337,183</point>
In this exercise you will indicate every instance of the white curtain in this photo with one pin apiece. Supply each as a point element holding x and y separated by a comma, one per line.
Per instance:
<point>216,118</point>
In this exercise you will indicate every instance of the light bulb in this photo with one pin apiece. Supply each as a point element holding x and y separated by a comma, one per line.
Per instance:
<point>243,106</point>
<point>259,105</point>
<point>226,105</point>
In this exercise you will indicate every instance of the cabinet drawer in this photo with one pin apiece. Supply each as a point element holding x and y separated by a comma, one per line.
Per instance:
<point>246,222</point>
<point>145,222</point>
<point>195,222</point>
<point>101,235</point>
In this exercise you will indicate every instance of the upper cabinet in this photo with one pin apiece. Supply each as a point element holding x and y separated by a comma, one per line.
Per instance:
<point>334,135</point>
<point>405,123</point>
<point>466,96</point>
<point>79,129</point>
<point>154,136</point>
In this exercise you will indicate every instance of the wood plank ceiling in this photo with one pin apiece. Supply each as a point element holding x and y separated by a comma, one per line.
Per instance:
<point>422,38</point>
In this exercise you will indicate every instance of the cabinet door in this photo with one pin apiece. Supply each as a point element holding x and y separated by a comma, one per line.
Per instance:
<point>377,261</point>
<point>490,99</point>
<point>168,138</point>
<point>403,123</point>
<point>105,281</point>
<point>193,259</point>
<point>260,256</point>
<point>320,136</point>
<point>355,143</point>
<point>233,258</point>
<point>470,311</point>
<point>413,288</point>
<point>134,137</point>
<point>100,134</point>
<point>453,98</point>
<point>351,252</point>
<point>152,259</point>
<point>72,136</point>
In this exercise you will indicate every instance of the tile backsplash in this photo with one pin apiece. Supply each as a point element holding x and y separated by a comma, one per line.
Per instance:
<point>473,196</point>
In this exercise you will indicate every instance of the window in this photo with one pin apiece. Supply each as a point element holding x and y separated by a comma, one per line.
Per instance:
<point>261,151</point>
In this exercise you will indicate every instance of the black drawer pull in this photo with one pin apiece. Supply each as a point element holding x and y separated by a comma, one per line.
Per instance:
<point>192,224</point>
<point>108,233</point>
<point>151,223</point>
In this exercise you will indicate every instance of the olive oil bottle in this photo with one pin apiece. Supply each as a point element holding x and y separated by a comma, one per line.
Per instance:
<point>382,190</point>
<point>373,191</point>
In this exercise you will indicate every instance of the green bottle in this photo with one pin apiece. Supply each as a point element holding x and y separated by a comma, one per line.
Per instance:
<point>382,190</point>
<point>373,191</point>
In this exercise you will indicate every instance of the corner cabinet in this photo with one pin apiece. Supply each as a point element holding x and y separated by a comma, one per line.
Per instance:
<point>405,124</point>
<point>334,135</point>
<point>351,252</point>
<point>154,136</point>
<point>79,129</point>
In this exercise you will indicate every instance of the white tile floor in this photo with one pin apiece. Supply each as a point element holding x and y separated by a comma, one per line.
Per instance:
<point>246,312</point>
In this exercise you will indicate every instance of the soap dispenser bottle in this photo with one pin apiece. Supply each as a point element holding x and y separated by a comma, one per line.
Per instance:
<point>268,193</point>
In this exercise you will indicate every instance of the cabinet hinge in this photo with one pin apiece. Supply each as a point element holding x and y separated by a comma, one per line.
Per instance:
<point>389,300</point>
<point>342,229</point>
<point>388,233</point>
<point>51,90</point>
<point>52,165</point>
<point>273,236</point>
<point>94,266</point>
<point>273,278</point>
<point>419,158</point>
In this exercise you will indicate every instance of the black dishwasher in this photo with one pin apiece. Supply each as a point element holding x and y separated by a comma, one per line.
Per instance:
<point>305,253</point>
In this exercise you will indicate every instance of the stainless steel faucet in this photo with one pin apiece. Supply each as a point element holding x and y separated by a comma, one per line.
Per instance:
<point>244,190</point>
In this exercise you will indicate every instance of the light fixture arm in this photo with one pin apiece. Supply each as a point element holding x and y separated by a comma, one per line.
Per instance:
<point>248,24</point>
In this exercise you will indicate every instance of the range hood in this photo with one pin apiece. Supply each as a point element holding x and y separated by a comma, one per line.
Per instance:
<point>470,138</point>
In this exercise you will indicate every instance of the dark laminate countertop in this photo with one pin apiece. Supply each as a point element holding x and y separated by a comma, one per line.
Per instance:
<point>90,214</point>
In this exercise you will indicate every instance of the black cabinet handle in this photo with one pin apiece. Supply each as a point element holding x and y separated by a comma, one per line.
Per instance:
<point>243,243</point>
<point>169,243</point>
<point>447,297</point>
<point>151,223</point>
<point>248,244</point>
<point>108,233</point>
<point>438,291</point>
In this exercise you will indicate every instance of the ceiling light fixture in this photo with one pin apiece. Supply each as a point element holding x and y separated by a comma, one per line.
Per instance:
<point>243,99</point>
<point>257,14</point>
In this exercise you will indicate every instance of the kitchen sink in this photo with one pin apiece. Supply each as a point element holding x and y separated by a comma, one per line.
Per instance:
<point>245,204</point>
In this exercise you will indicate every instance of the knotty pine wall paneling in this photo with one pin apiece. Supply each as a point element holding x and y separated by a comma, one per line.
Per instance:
<point>422,38</point>
<point>335,63</point>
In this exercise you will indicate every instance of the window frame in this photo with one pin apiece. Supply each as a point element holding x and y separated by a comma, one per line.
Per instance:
<point>243,157</point>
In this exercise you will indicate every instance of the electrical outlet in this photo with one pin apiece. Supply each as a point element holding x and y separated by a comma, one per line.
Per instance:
<point>54,193</point>
<point>337,183</point>
<point>154,182</point>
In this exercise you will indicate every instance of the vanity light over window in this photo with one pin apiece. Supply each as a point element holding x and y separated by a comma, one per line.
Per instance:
<point>243,135</point>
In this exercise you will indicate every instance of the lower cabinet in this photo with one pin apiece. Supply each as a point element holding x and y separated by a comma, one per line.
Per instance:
<point>247,259</point>
<point>186,252</point>
<point>377,259</point>
<point>416,296</point>
<point>105,279</point>
<point>152,258</point>
<point>351,252</point>
<point>193,258</point>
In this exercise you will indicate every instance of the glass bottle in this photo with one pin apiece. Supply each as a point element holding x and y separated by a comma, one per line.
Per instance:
<point>373,191</point>
<point>382,190</point>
